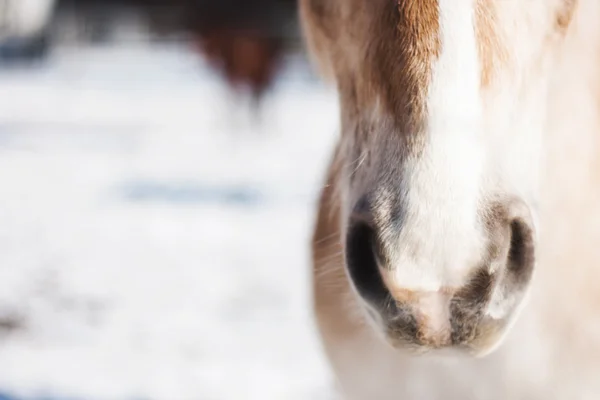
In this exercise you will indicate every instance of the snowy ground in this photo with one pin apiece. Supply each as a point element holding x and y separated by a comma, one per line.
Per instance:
<point>153,243</point>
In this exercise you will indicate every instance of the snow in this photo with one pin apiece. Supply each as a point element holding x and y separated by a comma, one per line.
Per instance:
<point>154,242</point>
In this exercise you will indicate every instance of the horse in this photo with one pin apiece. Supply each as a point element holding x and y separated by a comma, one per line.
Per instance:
<point>246,40</point>
<point>455,250</point>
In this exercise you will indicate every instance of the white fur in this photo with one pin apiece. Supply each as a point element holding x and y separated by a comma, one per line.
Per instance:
<point>444,184</point>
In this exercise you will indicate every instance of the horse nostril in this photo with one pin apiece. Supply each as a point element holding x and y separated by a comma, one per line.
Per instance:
<point>488,302</point>
<point>520,260</point>
<point>362,263</point>
<point>521,252</point>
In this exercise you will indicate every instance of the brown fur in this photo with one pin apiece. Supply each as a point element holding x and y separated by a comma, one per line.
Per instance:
<point>393,63</point>
<point>420,45</point>
<point>331,286</point>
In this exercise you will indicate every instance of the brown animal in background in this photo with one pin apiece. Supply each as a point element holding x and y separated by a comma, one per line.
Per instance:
<point>247,59</point>
<point>244,39</point>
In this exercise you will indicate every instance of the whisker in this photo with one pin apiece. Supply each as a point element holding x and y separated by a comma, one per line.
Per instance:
<point>361,159</point>
<point>327,249</point>
<point>326,238</point>
<point>328,257</point>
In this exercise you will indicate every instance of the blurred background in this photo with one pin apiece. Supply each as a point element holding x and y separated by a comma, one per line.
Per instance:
<point>159,167</point>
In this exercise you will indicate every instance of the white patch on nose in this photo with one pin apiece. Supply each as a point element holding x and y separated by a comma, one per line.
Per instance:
<point>441,240</point>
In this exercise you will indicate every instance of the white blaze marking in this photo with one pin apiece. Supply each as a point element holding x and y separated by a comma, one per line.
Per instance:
<point>440,241</point>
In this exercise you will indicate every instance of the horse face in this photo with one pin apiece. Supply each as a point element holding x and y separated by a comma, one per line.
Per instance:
<point>442,110</point>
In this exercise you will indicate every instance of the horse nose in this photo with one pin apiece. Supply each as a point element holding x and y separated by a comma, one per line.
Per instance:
<point>449,315</point>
